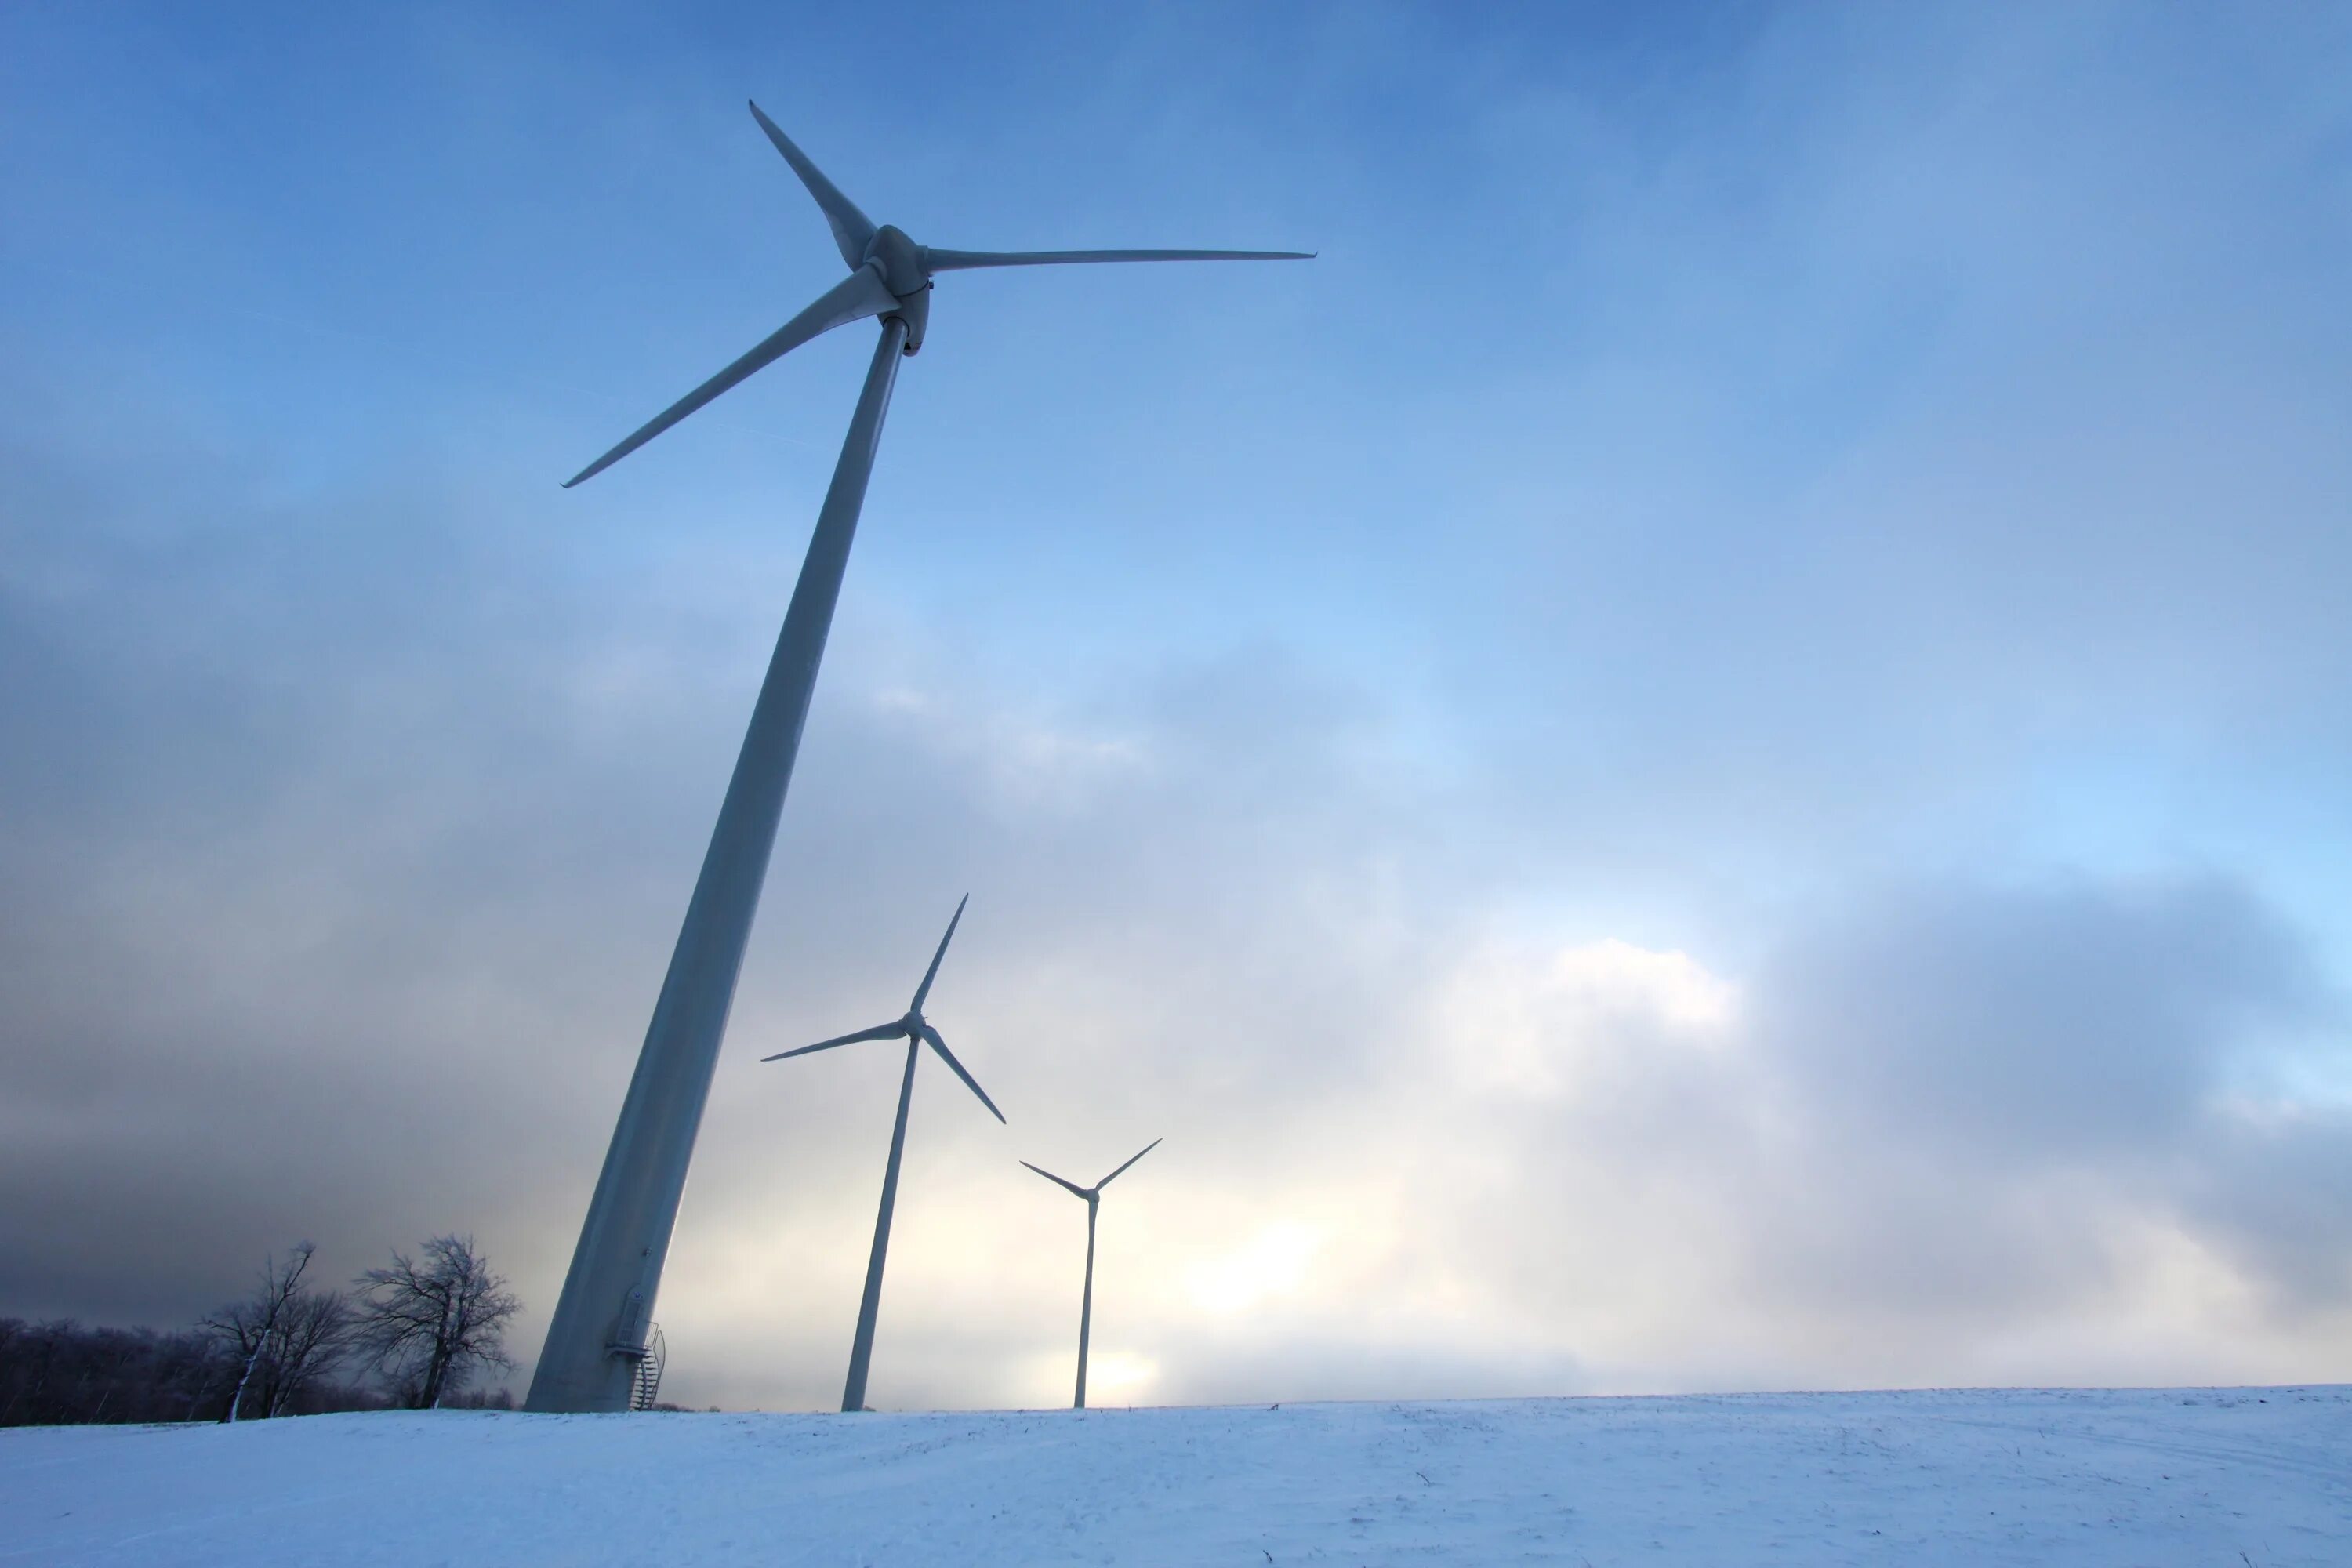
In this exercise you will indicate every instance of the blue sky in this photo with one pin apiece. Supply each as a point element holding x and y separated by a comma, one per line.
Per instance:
<point>1754,657</point>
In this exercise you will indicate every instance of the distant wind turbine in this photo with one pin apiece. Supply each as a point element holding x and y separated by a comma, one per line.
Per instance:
<point>598,1333</point>
<point>1087,1303</point>
<point>917,1031</point>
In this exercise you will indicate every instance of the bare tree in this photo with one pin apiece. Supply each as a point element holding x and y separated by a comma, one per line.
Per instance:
<point>250,1327</point>
<point>312,1334</point>
<point>430,1321</point>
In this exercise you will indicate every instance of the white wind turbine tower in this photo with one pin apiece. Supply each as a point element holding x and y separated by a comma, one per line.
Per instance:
<point>598,1333</point>
<point>917,1031</point>
<point>1087,1303</point>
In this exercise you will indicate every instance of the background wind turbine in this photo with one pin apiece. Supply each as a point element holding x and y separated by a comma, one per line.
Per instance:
<point>598,1333</point>
<point>1087,1303</point>
<point>917,1031</point>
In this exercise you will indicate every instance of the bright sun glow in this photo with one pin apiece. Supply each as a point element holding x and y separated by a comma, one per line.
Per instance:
<point>1119,1377</point>
<point>1272,1263</point>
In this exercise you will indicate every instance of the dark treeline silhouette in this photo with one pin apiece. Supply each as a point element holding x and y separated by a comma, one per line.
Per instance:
<point>410,1336</point>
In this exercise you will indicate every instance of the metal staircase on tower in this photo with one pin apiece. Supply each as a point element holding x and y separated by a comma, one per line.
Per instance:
<point>644,1387</point>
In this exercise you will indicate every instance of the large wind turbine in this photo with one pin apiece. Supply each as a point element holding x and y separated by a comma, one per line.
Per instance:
<point>1087,1303</point>
<point>917,1031</point>
<point>598,1333</point>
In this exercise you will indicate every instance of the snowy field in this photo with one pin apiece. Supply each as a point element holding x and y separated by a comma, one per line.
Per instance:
<point>2248,1478</point>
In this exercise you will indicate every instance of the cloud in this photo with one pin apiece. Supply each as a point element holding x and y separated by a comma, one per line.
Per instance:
<point>1934,1125</point>
<point>2044,1026</point>
<point>361,989</point>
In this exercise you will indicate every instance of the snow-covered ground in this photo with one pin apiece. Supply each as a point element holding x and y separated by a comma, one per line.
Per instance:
<point>2249,1477</point>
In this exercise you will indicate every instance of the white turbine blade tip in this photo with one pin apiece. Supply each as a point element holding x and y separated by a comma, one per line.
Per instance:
<point>852,229</point>
<point>1071,1187</point>
<point>969,1082</point>
<point>859,295</point>
<point>1139,1155</point>
<point>924,990</point>
<point>945,261</point>
<point>894,1030</point>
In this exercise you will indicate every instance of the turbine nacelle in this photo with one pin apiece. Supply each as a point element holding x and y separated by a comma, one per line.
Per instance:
<point>900,262</point>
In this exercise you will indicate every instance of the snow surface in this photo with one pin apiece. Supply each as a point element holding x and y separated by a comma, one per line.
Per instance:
<point>2253,1478</point>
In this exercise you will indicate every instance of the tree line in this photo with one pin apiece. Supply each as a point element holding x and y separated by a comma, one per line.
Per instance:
<point>413,1335</point>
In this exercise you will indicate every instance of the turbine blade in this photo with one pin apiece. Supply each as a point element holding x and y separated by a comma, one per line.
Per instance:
<point>895,1029</point>
<point>1107,1181</point>
<point>862,293</point>
<point>1074,1190</point>
<point>932,972</point>
<point>964,261</point>
<point>852,229</point>
<point>969,1082</point>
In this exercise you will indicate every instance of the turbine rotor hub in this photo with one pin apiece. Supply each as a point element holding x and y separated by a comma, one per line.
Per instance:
<point>900,259</point>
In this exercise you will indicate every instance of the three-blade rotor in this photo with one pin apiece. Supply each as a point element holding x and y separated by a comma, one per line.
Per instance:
<point>913,1025</point>
<point>890,276</point>
<point>1095,1192</point>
